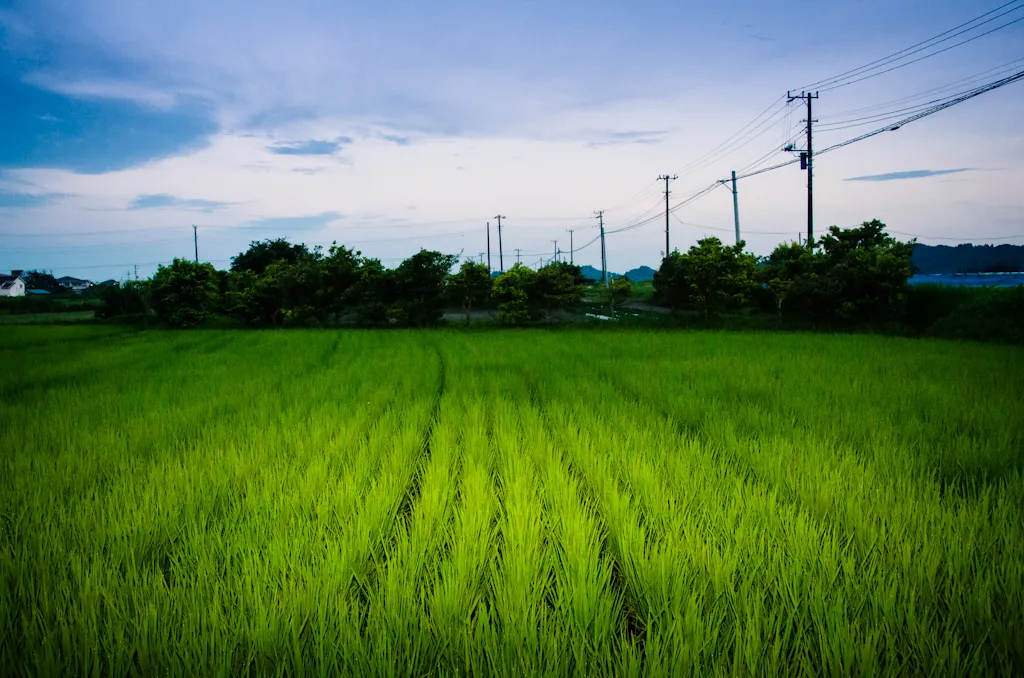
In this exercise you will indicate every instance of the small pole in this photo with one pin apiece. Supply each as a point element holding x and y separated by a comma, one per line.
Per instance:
<point>501,258</point>
<point>604,258</point>
<point>489,269</point>
<point>667,179</point>
<point>735,206</point>
<point>195,238</point>
<point>518,251</point>
<point>571,262</point>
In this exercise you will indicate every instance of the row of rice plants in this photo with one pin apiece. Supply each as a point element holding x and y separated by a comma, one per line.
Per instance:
<point>518,503</point>
<point>231,539</point>
<point>856,566</point>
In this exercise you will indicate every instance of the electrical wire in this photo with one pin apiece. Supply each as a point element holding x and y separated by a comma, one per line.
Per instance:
<point>830,82</point>
<point>1008,66</point>
<point>927,56</point>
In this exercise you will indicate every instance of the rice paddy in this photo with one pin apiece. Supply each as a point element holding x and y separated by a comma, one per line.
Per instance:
<point>516,503</point>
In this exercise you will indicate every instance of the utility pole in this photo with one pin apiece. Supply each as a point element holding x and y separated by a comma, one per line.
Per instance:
<point>807,162</point>
<point>195,238</point>
<point>501,258</point>
<point>571,262</point>
<point>481,255</point>
<point>735,202</point>
<point>556,250</point>
<point>136,272</point>
<point>518,254</point>
<point>604,258</point>
<point>489,269</point>
<point>667,179</point>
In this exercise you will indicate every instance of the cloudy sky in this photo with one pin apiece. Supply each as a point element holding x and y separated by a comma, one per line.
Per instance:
<point>392,126</point>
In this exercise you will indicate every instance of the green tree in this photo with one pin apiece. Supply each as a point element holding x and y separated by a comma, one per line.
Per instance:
<point>372,293</point>
<point>40,280</point>
<point>855,276</point>
<point>340,272</point>
<point>184,293</point>
<point>262,254</point>
<point>619,289</point>
<point>791,278</point>
<point>512,290</point>
<point>471,285</point>
<point>867,272</point>
<point>287,292</point>
<point>129,299</point>
<point>557,285</point>
<point>418,288</point>
<point>710,277</point>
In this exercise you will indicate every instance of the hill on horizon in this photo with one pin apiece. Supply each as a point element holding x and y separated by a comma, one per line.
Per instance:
<point>968,258</point>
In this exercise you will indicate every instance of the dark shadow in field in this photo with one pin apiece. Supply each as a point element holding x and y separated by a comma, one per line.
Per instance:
<point>621,587</point>
<point>403,515</point>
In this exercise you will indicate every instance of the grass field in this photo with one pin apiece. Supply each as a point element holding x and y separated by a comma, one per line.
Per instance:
<point>55,318</point>
<point>508,503</point>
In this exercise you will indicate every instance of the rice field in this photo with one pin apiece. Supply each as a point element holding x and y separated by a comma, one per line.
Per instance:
<point>518,503</point>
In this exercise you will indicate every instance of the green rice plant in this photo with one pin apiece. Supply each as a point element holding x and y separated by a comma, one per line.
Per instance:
<point>509,503</point>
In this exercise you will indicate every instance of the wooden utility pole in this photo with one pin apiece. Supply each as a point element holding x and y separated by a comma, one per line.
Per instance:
<point>489,269</point>
<point>604,259</point>
<point>570,246</point>
<point>735,202</point>
<point>518,253</point>
<point>195,239</point>
<point>807,162</point>
<point>501,258</point>
<point>667,179</point>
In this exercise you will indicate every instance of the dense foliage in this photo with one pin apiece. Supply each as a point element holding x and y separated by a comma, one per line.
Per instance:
<point>710,277</point>
<point>855,278</point>
<point>185,293</point>
<point>470,286</point>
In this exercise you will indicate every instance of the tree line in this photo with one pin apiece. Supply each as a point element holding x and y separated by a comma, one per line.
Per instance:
<point>277,283</point>
<point>853,277</point>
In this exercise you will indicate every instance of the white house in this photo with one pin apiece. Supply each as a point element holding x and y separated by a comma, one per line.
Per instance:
<point>74,284</point>
<point>12,285</point>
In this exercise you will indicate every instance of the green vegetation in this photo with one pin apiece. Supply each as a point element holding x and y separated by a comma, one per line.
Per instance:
<point>10,306</point>
<point>855,280</point>
<point>508,503</point>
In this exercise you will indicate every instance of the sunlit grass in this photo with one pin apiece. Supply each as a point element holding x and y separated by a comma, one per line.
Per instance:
<point>508,503</point>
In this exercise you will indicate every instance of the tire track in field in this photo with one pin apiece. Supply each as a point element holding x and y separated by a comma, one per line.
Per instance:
<point>378,558</point>
<point>77,341</point>
<point>323,361</point>
<point>695,431</point>
<point>621,587</point>
<point>412,491</point>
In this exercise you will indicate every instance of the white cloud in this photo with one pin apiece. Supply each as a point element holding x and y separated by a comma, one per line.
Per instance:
<point>103,89</point>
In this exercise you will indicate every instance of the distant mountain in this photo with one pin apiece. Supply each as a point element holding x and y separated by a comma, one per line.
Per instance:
<point>591,273</point>
<point>968,258</point>
<point>641,274</point>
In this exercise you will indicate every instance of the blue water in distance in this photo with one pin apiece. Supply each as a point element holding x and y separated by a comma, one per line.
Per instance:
<point>970,279</point>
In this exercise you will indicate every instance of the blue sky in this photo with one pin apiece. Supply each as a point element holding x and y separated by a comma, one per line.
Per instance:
<point>398,125</point>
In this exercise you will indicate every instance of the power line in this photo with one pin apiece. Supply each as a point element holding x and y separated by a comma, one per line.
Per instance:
<point>913,49</point>
<point>903,65</point>
<point>905,121</point>
<point>1008,66</point>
